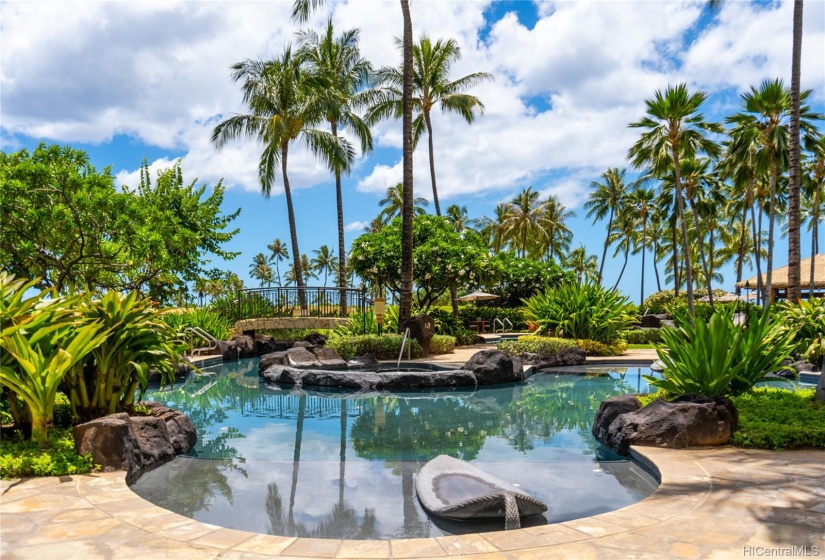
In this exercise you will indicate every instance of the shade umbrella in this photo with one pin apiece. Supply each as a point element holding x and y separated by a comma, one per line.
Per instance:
<point>477,296</point>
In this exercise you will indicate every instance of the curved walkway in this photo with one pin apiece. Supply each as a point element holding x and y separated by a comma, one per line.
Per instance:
<point>712,503</point>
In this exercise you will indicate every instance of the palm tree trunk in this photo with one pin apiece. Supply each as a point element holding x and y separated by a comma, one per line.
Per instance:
<point>621,273</point>
<point>677,271</point>
<point>606,239</point>
<point>296,460</point>
<point>680,203</point>
<point>644,250</point>
<point>342,249</point>
<point>702,255</point>
<point>771,220</point>
<point>432,161</point>
<point>742,243</point>
<point>293,232</point>
<point>794,251</point>
<point>342,467</point>
<point>756,228</point>
<point>814,239</point>
<point>405,304</point>
<point>655,266</point>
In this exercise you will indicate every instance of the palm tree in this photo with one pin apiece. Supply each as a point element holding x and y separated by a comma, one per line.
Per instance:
<point>583,265</point>
<point>494,229</point>
<point>764,127</point>
<point>324,261</point>
<point>606,199</point>
<point>814,188</point>
<point>306,271</point>
<point>624,234</point>
<point>431,86</point>
<point>260,269</point>
<point>339,73</point>
<point>282,110</point>
<point>794,252</point>
<point>393,204</point>
<point>641,203</point>
<point>557,236</point>
<point>524,221</point>
<point>278,252</point>
<point>675,130</point>
<point>458,217</point>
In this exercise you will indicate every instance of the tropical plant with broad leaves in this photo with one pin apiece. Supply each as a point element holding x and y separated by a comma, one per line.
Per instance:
<point>806,320</point>
<point>720,357</point>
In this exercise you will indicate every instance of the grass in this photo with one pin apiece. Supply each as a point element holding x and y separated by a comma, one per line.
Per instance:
<point>21,458</point>
<point>640,347</point>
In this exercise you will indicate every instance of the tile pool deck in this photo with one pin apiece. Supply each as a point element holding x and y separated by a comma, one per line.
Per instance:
<point>721,502</point>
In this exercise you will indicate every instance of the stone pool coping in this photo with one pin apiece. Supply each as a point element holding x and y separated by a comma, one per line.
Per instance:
<point>712,502</point>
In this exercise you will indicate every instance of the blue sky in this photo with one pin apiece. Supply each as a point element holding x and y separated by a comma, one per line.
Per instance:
<point>127,81</point>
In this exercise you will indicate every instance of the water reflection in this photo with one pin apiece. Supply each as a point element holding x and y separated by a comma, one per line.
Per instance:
<point>343,465</point>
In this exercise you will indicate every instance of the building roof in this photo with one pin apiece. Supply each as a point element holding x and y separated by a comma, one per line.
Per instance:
<point>779,278</point>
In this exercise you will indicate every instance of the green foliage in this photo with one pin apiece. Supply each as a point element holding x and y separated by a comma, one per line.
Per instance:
<point>642,336</point>
<point>541,345</point>
<point>469,313</point>
<point>594,348</point>
<point>586,311</point>
<point>442,258</point>
<point>153,239</point>
<point>720,357</point>
<point>771,418</point>
<point>667,302</point>
<point>442,344</point>
<point>20,458</point>
<point>514,279</point>
<point>386,347</point>
<point>296,334</point>
<point>359,323</point>
<point>252,305</point>
<point>806,320</point>
<point>201,317</point>
<point>466,337</point>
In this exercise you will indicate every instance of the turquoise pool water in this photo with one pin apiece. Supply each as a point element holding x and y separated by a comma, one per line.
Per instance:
<point>332,464</point>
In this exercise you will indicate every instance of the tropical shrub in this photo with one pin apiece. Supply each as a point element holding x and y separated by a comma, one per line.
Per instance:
<point>385,347</point>
<point>466,337</point>
<point>720,357</point>
<point>773,418</point>
<point>514,279</point>
<point>806,320</point>
<point>296,334</point>
<point>442,344</point>
<point>201,317</point>
<point>541,345</point>
<point>470,313</point>
<point>20,458</point>
<point>642,336</point>
<point>585,311</point>
<point>593,348</point>
<point>41,341</point>
<point>666,302</point>
<point>251,306</point>
<point>361,323</point>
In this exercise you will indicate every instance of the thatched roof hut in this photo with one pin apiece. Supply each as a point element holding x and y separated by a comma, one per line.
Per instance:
<point>779,279</point>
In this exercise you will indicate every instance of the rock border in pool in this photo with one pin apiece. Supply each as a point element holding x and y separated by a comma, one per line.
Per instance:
<point>487,367</point>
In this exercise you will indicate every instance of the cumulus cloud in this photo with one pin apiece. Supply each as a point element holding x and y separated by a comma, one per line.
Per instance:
<point>356,226</point>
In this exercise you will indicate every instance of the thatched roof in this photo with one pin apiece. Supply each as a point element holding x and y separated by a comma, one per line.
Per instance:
<point>779,279</point>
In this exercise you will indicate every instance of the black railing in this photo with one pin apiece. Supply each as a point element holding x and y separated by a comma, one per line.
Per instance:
<point>300,302</point>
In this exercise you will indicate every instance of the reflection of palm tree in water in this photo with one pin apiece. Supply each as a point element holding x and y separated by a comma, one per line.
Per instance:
<point>296,459</point>
<point>413,526</point>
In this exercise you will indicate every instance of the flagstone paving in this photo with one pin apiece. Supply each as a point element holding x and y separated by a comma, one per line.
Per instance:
<point>713,503</point>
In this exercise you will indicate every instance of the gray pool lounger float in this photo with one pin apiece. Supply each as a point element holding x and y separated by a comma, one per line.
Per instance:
<point>454,489</point>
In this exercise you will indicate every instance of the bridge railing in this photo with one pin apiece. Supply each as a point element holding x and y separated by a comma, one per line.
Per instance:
<point>300,302</point>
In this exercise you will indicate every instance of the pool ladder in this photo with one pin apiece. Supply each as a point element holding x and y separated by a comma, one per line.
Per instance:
<point>191,333</point>
<point>403,343</point>
<point>503,327</point>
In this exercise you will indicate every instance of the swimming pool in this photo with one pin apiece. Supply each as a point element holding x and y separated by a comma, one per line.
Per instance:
<point>332,464</point>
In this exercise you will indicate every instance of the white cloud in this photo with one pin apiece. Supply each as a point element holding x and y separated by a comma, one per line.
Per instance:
<point>356,226</point>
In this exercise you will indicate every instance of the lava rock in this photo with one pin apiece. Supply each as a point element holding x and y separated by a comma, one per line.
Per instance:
<point>228,350</point>
<point>181,429</point>
<point>329,358</point>
<point>803,366</point>
<point>112,443</point>
<point>153,440</point>
<point>303,344</point>
<point>695,420</point>
<point>367,361</point>
<point>609,410</point>
<point>492,366</point>
<point>651,322</point>
<point>422,329</point>
<point>316,339</point>
<point>820,388</point>
<point>246,346</point>
<point>269,360</point>
<point>264,344</point>
<point>300,357</point>
<point>369,381</point>
<point>565,357</point>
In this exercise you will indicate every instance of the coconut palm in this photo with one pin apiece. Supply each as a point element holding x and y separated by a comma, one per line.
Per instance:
<point>624,233</point>
<point>584,266</point>
<point>306,271</point>
<point>324,261</point>
<point>260,269</point>
<point>494,230</point>
<point>278,252</point>
<point>794,149</point>
<point>393,204</point>
<point>640,202</point>
<point>282,110</point>
<point>432,62</point>
<point>524,221</point>
<point>674,130</point>
<point>814,201</point>
<point>606,200</point>
<point>457,215</point>
<point>763,127</point>
<point>338,72</point>
<point>557,236</point>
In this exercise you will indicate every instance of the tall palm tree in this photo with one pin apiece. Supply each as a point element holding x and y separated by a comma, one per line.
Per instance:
<point>494,229</point>
<point>458,217</point>
<point>324,261</point>
<point>282,110</point>
<point>278,252</point>
<point>557,235</point>
<point>764,124</point>
<point>338,72</point>
<point>606,200</point>
<point>814,189</point>
<point>624,234</point>
<point>524,221</point>
<point>584,266</point>
<point>432,87</point>
<point>306,271</point>
<point>675,130</point>
<point>260,269</point>
<point>794,187</point>
<point>393,204</point>
<point>640,201</point>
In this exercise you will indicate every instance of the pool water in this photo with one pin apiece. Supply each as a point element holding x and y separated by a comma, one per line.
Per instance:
<point>332,464</point>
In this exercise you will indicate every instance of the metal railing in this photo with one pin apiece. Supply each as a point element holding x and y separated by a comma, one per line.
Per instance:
<point>300,302</point>
<point>409,348</point>
<point>191,333</point>
<point>502,323</point>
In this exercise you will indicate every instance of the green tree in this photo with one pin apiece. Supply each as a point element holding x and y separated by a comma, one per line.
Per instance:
<point>283,109</point>
<point>557,236</point>
<point>525,220</point>
<point>584,266</point>
<point>432,87</point>
<point>675,130</point>
<point>641,201</point>
<point>392,205</point>
<point>324,261</point>
<point>338,73</point>
<point>814,201</point>
<point>494,230</point>
<point>260,269</point>
<point>606,199</point>
<point>278,252</point>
